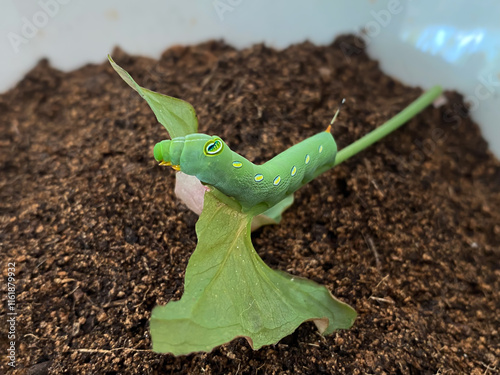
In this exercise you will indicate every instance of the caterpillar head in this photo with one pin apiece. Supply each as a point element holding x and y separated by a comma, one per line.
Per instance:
<point>193,154</point>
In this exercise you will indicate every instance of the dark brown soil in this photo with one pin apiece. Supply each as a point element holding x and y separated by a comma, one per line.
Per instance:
<point>408,232</point>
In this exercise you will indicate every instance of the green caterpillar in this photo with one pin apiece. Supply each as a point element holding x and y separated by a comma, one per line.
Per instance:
<point>214,163</point>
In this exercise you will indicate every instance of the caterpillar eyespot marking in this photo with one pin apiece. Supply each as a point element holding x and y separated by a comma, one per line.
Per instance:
<point>213,147</point>
<point>211,160</point>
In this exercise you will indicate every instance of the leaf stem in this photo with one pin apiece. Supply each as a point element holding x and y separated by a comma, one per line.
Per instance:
<point>402,117</point>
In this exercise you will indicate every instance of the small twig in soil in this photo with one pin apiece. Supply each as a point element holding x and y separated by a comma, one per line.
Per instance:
<point>321,337</point>
<point>381,281</point>
<point>143,298</point>
<point>106,351</point>
<point>488,367</point>
<point>118,302</point>
<point>379,299</point>
<point>32,335</point>
<point>145,263</point>
<point>316,345</point>
<point>371,245</point>
<point>74,290</point>
<point>374,183</point>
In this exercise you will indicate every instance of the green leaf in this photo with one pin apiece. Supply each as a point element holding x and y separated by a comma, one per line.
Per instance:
<point>272,215</point>
<point>176,115</point>
<point>230,292</point>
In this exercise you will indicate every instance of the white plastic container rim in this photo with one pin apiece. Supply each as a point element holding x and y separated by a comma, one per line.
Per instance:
<point>454,43</point>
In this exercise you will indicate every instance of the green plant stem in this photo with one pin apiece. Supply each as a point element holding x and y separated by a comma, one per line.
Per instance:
<point>406,114</point>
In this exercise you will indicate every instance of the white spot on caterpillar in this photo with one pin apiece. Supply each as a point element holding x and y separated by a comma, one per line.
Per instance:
<point>320,149</point>
<point>293,171</point>
<point>237,164</point>
<point>258,177</point>
<point>308,159</point>
<point>277,181</point>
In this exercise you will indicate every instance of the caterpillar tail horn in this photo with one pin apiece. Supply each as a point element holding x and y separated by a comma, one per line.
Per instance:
<point>329,128</point>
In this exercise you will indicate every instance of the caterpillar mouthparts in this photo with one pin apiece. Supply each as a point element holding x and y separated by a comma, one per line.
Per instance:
<point>160,157</point>
<point>167,163</point>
